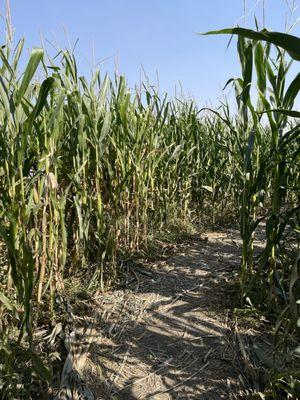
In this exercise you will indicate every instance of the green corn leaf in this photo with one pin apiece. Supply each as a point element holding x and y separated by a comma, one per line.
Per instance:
<point>4,94</point>
<point>247,74</point>
<point>260,70</point>
<point>17,53</point>
<point>43,93</point>
<point>241,47</point>
<point>34,61</point>
<point>292,93</point>
<point>289,113</point>
<point>287,42</point>
<point>271,77</point>
<point>6,63</point>
<point>9,305</point>
<point>41,100</point>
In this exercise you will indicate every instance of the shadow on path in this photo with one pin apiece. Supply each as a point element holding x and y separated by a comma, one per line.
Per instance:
<point>168,336</point>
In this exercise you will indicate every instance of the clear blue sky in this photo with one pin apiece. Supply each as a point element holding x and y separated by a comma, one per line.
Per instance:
<point>158,34</point>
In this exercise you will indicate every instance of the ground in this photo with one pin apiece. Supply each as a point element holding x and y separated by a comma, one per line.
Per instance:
<point>168,334</point>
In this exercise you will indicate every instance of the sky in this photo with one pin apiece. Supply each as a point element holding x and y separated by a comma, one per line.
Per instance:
<point>158,37</point>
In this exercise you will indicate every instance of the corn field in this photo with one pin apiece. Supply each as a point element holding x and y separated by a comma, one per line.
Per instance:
<point>91,169</point>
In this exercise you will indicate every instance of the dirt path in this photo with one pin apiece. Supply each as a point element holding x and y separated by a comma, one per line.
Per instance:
<point>168,337</point>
